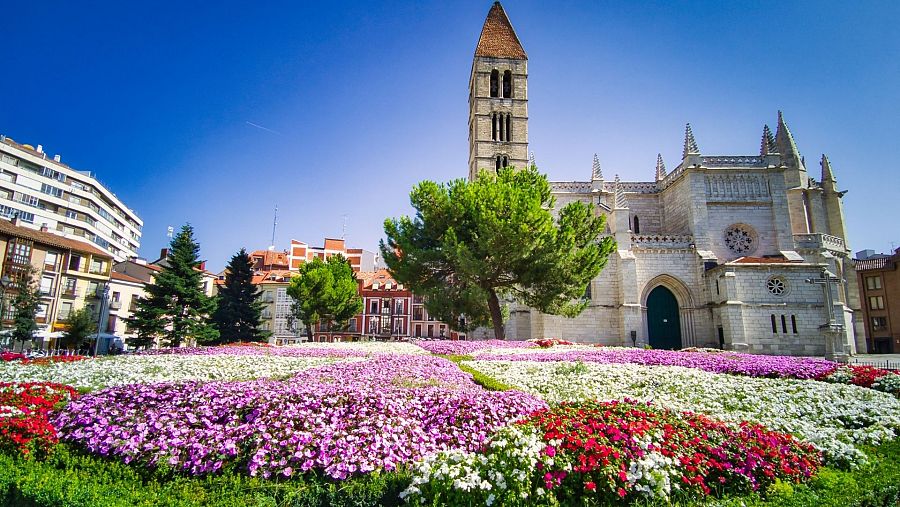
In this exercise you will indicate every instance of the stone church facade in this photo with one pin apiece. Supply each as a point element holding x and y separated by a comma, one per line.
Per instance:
<point>742,252</point>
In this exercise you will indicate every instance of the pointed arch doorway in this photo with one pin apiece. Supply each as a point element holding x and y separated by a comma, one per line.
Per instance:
<point>663,321</point>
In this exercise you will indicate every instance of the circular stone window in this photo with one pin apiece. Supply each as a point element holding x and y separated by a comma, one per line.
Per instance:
<point>740,239</point>
<point>777,286</point>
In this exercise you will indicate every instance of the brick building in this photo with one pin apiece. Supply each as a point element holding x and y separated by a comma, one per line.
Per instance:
<point>879,285</point>
<point>360,259</point>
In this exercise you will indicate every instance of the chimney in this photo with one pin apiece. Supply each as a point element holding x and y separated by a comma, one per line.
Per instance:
<point>39,149</point>
<point>57,158</point>
<point>164,253</point>
<point>202,265</point>
<point>44,228</point>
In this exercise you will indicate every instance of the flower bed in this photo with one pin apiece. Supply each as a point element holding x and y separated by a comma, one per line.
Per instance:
<point>134,369</point>
<point>24,412</point>
<point>730,362</point>
<point>466,347</point>
<point>11,356</point>
<point>312,350</point>
<point>373,347</point>
<point>342,419</point>
<point>831,416</point>
<point>865,376</point>
<point>609,451</point>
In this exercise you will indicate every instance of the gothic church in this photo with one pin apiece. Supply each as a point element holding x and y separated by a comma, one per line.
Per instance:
<point>742,252</point>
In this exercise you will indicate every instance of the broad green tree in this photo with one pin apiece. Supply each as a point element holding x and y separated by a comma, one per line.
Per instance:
<point>25,304</point>
<point>475,243</point>
<point>325,291</point>
<point>239,310</point>
<point>177,307</point>
<point>81,328</point>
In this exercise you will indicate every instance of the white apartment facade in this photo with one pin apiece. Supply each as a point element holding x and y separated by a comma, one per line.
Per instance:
<point>42,191</point>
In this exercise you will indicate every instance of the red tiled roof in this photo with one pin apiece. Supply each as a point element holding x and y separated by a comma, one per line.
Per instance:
<point>51,239</point>
<point>271,257</point>
<point>498,38</point>
<point>125,278</point>
<point>382,276</point>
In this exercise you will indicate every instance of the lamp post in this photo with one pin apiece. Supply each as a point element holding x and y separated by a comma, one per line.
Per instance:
<point>102,295</point>
<point>5,283</point>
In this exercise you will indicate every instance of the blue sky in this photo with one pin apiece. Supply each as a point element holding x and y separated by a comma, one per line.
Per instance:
<point>359,101</point>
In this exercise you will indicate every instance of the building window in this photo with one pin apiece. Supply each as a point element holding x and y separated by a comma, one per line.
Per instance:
<point>740,239</point>
<point>46,287</point>
<point>508,136</point>
<point>794,323</point>
<point>783,325</point>
<point>502,161</point>
<point>495,83</point>
<point>418,331</point>
<point>65,310</point>
<point>879,323</point>
<point>873,282</point>
<point>637,225</point>
<point>717,286</point>
<point>776,285</point>
<point>507,84</point>
<point>494,127</point>
<point>18,252</point>
<point>774,324</point>
<point>876,303</point>
<point>587,292</point>
<point>373,306</point>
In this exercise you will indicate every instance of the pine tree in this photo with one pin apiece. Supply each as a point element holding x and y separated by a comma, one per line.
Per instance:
<point>176,308</point>
<point>26,304</point>
<point>474,243</point>
<point>239,309</point>
<point>325,292</point>
<point>81,327</point>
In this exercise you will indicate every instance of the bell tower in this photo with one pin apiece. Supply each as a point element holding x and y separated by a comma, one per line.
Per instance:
<point>498,97</point>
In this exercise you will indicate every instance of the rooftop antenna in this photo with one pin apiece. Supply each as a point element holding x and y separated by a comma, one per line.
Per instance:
<point>344,227</point>
<point>274,225</point>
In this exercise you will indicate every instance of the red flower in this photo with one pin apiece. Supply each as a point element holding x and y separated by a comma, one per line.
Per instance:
<point>590,486</point>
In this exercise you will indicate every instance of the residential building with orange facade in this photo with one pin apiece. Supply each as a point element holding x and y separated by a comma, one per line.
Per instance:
<point>70,275</point>
<point>360,259</point>
<point>879,285</point>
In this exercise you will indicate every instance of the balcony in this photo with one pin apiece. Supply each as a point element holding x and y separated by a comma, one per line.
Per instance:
<point>820,241</point>
<point>115,305</point>
<point>69,293</point>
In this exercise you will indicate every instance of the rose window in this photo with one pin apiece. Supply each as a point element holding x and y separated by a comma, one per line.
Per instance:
<point>739,239</point>
<point>776,286</point>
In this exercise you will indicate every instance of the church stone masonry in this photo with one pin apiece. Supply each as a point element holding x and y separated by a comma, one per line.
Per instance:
<point>732,251</point>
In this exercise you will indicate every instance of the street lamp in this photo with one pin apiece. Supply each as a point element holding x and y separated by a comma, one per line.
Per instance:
<point>5,283</point>
<point>102,295</point>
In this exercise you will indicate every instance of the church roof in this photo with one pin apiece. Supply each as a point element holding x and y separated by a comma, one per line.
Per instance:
<point>498,37</point>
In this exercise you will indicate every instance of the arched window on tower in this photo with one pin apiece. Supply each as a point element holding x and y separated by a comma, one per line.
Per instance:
<point>637,225</point>
<point>507,84</point>
<point>499,161</point>
<point>495,83</point>
<point>494,126</point>
<point>509,127</point>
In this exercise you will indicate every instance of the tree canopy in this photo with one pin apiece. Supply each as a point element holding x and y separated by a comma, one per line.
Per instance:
<point>176,308</point>
<point>325,291</point>
<point>239,309</point>
<point>81,326</point>
<point>26,303</point>
<point>474,243</point>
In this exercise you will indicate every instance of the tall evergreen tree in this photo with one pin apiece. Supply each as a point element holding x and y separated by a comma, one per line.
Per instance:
<point>239,309</point>
<point>25,303</point>
<point>325,292</point>
<point>81,327</point>
<point>474,243</point>
<point>175,298</point>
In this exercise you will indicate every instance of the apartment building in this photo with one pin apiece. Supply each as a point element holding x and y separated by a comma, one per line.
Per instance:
<point>360,259</point>
<point>71,274</point>
<point>124,293</point>
<point>43,192</point>
<point>879,285</point>
<point>276,314</point>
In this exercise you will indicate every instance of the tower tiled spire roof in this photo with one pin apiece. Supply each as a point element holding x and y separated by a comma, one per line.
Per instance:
<point>596,171</point>
<point>767,145</point>
<point>690,144</point>
<point>498,38</point>
<point>621,202</point>
<point>660,167</point>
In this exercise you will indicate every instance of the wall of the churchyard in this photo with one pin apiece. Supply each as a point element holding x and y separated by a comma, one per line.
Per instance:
<point>758,216</point>
<point>799,211</point>
<point>676,205</point>
<point>818,213</point>
<point>802,301</point>
<point>647,209</point>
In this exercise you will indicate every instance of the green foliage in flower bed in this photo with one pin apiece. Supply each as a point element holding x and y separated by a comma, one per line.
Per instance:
<point>72,479</point>
<point>485,381</point>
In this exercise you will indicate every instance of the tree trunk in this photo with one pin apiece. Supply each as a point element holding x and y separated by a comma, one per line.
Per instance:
<point>309,333</point>
<point>496,315</point>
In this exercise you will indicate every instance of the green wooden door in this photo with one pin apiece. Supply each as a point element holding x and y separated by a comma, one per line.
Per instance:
<point>663,323</point>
